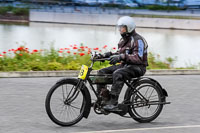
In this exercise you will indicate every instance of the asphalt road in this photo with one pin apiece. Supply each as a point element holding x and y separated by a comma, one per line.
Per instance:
<point>22,109</point>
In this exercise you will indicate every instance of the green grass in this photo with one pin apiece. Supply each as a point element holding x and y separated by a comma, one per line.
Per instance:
<point>14,10</point>
<point>159,7</point>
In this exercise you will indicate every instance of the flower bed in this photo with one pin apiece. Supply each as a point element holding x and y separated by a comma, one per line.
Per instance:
<point>71,58</point>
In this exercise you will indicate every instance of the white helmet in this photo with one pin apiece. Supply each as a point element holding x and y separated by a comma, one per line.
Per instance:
<point>128,22</point>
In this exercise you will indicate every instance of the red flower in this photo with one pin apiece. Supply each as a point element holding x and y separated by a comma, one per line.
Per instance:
<point>89,52</point>
<point>13,49</point>
<point>67,48</point>
<point>20,54</point>
<point>60,51</point>
<point>114,48</point>
<point>81,54</point>
<point>70,45</point>
<point>74,53</point>
<point>81,47</point>
<point>68,51</point>
<point>96,48</point>
<point>75,47</point>
<point>105,46</point>
<point>1,55</point>
<point>61,48</point>
<point>4,52</point>
<point>20,48</point>
<point>35,50</point>
<point>86,46</point>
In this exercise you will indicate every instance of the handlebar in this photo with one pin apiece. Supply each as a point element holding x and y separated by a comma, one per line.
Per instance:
<point>95,54</point>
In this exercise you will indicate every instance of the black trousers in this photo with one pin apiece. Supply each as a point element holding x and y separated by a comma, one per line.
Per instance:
<point>120,73</point>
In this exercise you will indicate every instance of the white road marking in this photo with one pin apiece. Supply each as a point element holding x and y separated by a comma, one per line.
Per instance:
<point>143,129</point>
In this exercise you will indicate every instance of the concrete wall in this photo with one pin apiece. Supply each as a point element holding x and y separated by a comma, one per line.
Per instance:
<point>76,18</point>
<point>168,23</point>
<point>111,19</point>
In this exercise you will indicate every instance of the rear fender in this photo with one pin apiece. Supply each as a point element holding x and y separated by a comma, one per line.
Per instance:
<point>137,80</point>
<point>164,92</point>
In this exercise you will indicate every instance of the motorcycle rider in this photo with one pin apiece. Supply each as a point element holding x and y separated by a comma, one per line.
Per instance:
<point>132,56</point>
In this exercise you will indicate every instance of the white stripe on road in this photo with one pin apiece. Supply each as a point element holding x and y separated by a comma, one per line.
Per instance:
<point>142,129</point>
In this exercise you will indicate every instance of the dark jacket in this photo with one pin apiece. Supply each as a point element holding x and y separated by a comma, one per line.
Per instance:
<point>134,49</point>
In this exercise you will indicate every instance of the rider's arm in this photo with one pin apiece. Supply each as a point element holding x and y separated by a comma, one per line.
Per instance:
<point>136,57</point>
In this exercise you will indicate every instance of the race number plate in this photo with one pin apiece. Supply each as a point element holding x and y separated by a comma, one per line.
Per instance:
<point>83,72</point>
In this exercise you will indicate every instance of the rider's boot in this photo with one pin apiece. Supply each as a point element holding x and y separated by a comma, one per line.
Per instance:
<point>112,103</point>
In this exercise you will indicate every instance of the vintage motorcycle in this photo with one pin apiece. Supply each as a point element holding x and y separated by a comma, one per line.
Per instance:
<point>69,100</point>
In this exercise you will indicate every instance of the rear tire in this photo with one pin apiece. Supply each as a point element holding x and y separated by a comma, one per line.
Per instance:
<point>135,110</point>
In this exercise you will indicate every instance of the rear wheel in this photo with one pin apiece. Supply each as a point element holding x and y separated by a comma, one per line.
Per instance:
<point>65,103</point>
<point>147,110</point>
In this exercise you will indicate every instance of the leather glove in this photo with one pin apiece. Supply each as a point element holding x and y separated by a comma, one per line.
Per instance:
<point>107,54</point>
<point>116,58</point>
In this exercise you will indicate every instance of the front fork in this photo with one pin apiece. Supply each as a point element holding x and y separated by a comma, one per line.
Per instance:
<point>75,93</point>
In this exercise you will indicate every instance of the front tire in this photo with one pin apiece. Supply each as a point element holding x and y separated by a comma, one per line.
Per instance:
<point>64,104</point>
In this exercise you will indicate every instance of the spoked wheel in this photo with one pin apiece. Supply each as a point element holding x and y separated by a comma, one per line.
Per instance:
<point>65,103</point>
<point>146,105</point>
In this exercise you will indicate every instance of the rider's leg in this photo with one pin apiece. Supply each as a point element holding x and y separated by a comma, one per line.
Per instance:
<point>107,70</point>
<point>126,73</point>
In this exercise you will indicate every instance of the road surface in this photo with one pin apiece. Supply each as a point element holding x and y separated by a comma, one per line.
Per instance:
<point>22,109</point>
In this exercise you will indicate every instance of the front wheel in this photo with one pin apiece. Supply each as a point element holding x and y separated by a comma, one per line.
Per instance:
<point>65,103</point>
<point>146,104</point>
